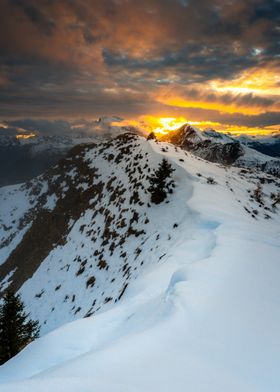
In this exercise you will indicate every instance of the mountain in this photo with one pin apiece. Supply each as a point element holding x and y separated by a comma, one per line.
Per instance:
<point>23,159</point>
<point>27,152</point>
<point>220,148</point>
<point>73,238</point>
<point>266,145</point>
<point>209,145</point>
<point>164,297</point>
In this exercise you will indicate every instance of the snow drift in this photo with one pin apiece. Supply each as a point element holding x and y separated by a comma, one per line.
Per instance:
<point>201,313</point>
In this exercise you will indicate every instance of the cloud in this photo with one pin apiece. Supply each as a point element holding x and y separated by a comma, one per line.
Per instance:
<point>36,16</point>
<point>90,57</point>
<point>208,98</point>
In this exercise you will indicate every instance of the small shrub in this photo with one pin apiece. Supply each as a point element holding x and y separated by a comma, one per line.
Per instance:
<point>258,194</point>
<point>91,281</point>
<point>211,181</point>
<point>80,271</point>
<point>102,264</point>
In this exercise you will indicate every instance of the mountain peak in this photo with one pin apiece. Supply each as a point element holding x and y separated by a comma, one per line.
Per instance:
<point>184,136</point>
<point>217,147</point>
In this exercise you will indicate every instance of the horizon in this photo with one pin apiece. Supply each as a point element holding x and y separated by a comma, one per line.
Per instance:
<point>29,128</point>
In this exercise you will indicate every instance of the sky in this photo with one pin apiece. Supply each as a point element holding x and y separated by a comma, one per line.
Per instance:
<point>162,62</point>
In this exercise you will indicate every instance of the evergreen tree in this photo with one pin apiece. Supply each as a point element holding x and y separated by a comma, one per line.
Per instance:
<point>16,329</point>
<point>161,182</point>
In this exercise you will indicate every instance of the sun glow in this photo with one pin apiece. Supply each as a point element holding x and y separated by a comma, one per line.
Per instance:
<point>25,135</point>
<point>162,125</point>
<point>158,125</point>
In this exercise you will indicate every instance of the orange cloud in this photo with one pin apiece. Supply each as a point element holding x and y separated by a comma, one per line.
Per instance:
<point>263,81</point>
<point>253,92</point>
<point>75,59</point>
<point>218,106</point>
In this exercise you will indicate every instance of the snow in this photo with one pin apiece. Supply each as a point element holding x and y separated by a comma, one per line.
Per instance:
<point>217,136</point>
<point>205,318</point>
<point>12,209</point>
<point>265,139</point>
<point>213,150</point>
<point>5,281</point>
<point>252,158</point>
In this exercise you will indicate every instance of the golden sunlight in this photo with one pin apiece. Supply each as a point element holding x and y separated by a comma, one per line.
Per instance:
<point>230,108</point>
<point>25,135</point>
<point>162,125</point>
<point>257,81</point>
<point>252,92</point>
<point>149,123</point>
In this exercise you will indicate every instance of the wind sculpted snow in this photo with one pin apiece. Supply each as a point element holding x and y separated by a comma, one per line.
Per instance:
<point>201,315</point>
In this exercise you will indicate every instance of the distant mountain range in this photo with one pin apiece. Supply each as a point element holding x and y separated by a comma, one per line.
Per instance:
<point>266,145</point>
<point>227,150</point>
<point>22,159</point>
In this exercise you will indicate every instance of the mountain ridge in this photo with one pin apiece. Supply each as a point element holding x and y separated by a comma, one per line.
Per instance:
<point>210,273</point>
<point>77,191</point>
<point>220,148</point>
<point>87,212</point>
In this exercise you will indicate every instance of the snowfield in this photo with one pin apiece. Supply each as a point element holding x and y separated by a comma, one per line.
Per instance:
<point>204,317</point>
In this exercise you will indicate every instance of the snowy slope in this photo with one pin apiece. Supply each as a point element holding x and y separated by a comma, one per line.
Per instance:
<point>74,238</point>
<point>203,318</point>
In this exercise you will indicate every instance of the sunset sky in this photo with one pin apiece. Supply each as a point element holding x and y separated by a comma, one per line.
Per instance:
<point>212,63</point>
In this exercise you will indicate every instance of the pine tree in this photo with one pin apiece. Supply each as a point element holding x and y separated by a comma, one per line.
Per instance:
<point>161,182</point>
<point>16,329</point>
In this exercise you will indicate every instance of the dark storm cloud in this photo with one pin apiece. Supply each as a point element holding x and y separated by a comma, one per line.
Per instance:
<point>39,86</point>
<point>93,56</point>
<point>38,125</point>
<point>195,60</point>
<point>33,70</point>
<point>267,10</point>
<point>246,99</point>
<point>36,16</point>
<point>261,120</point>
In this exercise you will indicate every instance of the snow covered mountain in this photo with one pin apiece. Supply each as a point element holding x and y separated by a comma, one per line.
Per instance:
<point>184,294</point>
<point>81,231</point>
<point>27,152</point>
<point>266,145</point>
<point>220,148</point>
